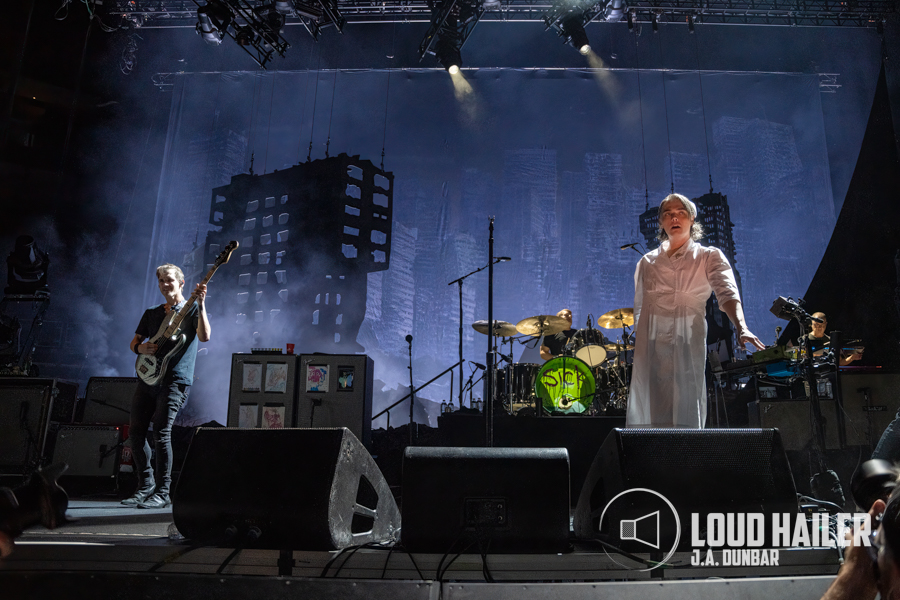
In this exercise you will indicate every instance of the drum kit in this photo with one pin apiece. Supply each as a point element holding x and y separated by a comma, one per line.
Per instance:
<point>590,377</point>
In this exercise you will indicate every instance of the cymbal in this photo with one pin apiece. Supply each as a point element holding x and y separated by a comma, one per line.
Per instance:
<point>501,328</point>
<point>542,325</point>
<point>616,319</point>
<point>618,347</point>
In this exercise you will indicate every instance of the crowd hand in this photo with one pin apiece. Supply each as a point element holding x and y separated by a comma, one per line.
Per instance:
<point>747,337</point>
<point>6,545</point>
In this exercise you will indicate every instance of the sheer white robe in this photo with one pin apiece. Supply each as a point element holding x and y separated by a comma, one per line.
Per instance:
<point>668,382</point>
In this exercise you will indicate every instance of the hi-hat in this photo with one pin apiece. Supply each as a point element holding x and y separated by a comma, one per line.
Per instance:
<point>618,347</point>
<point>542,325</point>
<point>616,319</point>
<point>501,328</point>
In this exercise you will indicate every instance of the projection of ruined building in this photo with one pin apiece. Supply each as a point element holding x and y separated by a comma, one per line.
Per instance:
<point>310,235</point>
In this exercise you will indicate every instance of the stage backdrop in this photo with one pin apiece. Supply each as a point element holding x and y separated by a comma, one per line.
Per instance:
<point>566,160</point>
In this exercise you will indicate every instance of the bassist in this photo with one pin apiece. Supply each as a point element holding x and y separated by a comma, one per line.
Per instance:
<point>160,403</point>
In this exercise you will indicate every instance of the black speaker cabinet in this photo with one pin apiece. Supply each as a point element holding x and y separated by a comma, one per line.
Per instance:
<point>871,401</point>
<point>793,418</point>
<point>107,400</point>
<point>335,390</point>
<point>263,391</point>
<point>25,407</point>
<point>89,450</point>
<point>479,500</point>
<point>300,489</point>
<point>697,470</point>
<point>64,402</point>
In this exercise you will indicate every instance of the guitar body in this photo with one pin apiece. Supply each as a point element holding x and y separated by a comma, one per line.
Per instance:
<point>151,368</point>
<point>170,339</point>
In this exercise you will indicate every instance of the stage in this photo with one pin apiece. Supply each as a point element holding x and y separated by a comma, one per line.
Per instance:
<point>118,552</point>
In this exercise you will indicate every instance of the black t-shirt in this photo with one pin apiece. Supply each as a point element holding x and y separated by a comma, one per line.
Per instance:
<point>181,365</point>
<point>557,343</point>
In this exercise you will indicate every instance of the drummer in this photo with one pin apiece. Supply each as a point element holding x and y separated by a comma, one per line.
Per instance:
<point>554,345</point>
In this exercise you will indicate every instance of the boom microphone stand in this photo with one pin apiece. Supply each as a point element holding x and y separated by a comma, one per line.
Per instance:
<point>459,282</point>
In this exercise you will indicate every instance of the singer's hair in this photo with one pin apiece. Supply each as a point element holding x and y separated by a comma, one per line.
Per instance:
<point>170,268</point>
<point>696,228</point>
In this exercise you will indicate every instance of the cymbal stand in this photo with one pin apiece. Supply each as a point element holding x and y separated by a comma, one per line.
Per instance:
<point>491,353</point>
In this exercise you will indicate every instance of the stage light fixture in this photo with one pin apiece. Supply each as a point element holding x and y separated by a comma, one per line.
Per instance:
<point>569,19</point>
<point>27,268</point>
<point>630,20</point>
<point>690,22</point>
<point>573,33</point>
<point>212,22</point>
<point>452,22</point>
<point>448,54</point>
<point>654,21</point>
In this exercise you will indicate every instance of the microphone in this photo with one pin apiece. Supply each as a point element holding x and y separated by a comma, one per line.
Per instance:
<point>409,339</point>
<point>502,258</point>
<point>817,319</point>
<point>479,365</point>
<point>626,246</point>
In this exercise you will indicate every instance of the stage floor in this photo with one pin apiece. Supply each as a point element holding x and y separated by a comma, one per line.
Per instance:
<point>112,551</point>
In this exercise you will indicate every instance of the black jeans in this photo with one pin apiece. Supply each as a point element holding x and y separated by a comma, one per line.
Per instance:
<point>159,405</point>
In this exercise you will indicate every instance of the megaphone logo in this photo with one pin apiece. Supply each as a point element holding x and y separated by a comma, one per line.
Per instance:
<point>641,530</point>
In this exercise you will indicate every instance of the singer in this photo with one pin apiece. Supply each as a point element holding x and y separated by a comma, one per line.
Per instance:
<point>671,287</point>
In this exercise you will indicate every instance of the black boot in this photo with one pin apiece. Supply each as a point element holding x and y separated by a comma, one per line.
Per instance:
<point>144,492</point>
<point>157,500</point>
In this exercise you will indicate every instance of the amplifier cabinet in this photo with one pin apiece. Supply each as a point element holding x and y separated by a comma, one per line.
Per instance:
<point>26,404</point>
<point>335,390</point>
<point>263,391</point>
<point>89,450</point>
<point>870,401</point>
<point>107,400</point>
<point>793,418</point>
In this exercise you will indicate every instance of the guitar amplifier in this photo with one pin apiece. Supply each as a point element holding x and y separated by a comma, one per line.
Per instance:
<point>870,401</point>
<point>89,450</point>
<point>107,400</point>
<point>335,390</point>
<point>25,407</point>
<point>793,418</point>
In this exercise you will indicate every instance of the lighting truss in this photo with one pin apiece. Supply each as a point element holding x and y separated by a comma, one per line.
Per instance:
<point>254,28</point>
<point>568,18</point>
<point>314,15</point>
<point>452,21</point>
<point>794,13</point>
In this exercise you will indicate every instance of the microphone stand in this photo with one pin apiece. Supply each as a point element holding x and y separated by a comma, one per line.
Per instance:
<point>412,390</point>
<point>459,282</point>
<point>491,358</point>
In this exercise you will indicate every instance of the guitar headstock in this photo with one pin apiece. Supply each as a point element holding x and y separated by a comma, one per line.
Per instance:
<point>226,252</point>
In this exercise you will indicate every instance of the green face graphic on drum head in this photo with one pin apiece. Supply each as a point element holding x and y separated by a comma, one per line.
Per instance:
<point>565,384</point>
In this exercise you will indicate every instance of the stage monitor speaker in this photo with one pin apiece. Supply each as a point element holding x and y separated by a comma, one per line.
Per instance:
<point>64,402</point>
<point>793,418</point>
<point>263,391</point>
<point>870,401</point>
<point>335,390</point>
<point>107,400</point>
<point>696,470</point>
<point>286,489</point>
<point>89,450</point>
<point>25,407</point>
<point>479,500</point>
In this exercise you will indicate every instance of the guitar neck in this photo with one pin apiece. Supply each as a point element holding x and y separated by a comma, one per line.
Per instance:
<point>175,324</point>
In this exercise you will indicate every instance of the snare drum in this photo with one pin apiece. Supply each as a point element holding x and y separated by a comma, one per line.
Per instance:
<point>565,384</point>
<point>587,345</point>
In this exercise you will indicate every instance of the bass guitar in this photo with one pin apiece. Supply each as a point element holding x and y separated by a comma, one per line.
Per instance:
<point>170,339</point>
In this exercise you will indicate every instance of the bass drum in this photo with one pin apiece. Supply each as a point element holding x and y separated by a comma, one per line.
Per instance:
<point>565,385</point>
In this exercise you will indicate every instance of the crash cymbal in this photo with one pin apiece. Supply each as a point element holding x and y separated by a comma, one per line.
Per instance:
<point>542,325</point>
<point>618,347</point>
<point>615,319</point>
<point>501,328</point>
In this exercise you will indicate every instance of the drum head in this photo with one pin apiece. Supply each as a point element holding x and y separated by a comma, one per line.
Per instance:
<point>594,355</point>
<point>565,385</point>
